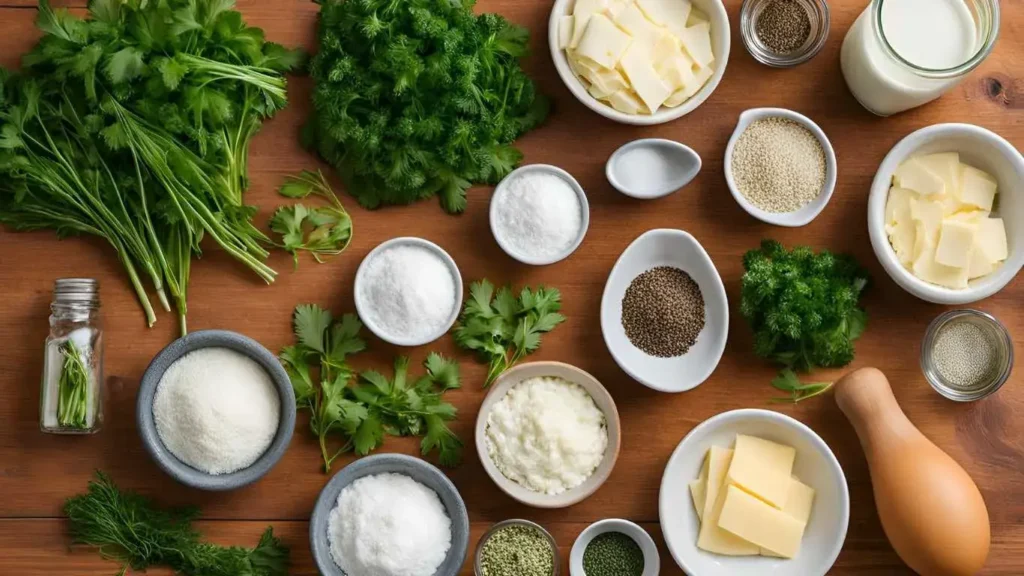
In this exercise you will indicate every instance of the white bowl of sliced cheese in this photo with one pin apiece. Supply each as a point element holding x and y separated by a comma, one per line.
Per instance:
<point>640,62</point>
<point>754,492</point>
<point>946,213</point>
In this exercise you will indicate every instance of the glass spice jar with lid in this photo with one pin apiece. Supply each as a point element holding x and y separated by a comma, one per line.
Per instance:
<point>71,398</point>
<point>784,33</point>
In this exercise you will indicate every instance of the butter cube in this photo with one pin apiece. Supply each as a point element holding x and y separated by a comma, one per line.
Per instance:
<point>927,269</point>
<point>758,523</point>
<point>914,175</point>
<point>603,42</point>
<point>945,165</point>
<point>582,12</point>
<point>897,206</point>
<point>762,468</point>
<point>666,12</point>
<point>632,20</point>
<point>713,538</point>
<point>929,215</point>
<point>977,188</point>
<point>992,239</point>
<point>677,73</point>
<point>636,63</point>
<point>980,265</point>
<point>697,41</point>
<point>626,102</point>
<point>565,28</point>
<point>903,237</point>
<point>956,242</point>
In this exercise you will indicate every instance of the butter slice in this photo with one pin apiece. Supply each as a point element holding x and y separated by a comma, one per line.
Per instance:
<point>582,12</point>
<point>992,239</point>
<point>713,538</point>
<point>763,468</point>
<point>977,188</point>
<point>745,516</point>
<point>897,206</point>
<point>903,237</point>
<point>926,268</point>
<point>603,42</point>
<point>700,78</point>
<point>697,41</point>
<point>798,505</point>
<point>636,63</point>
<point>929,215</point>
<point>677,73</point>
<point>956,242</point>
<point>945,165</point>
<point>565,28</point>
<point>666,12</point>
<point>632,20</point>
<point>626,102</point>
<point>914,175</point>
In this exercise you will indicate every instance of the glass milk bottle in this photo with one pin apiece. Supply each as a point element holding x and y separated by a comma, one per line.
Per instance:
<point>71,400</point>
<point>900,54</point>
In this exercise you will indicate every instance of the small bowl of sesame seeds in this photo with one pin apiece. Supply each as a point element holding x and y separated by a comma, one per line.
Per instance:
<point>784,33</point>
<point>780,166</point>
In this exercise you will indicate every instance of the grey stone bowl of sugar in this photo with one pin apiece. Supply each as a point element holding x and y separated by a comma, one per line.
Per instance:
<point>163,457</point>
<point>415,468</point>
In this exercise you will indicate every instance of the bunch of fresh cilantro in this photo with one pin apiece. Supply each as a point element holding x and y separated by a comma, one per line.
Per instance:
<point>803,307</point>
<point>361,414</point>
<point>133,124</point>
<point>320,230</point>
<point>417,98</point>
<point>503,328</point>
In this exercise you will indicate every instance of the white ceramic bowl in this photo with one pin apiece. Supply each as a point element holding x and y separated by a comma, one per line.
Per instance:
<point>602,399</point>
<point>651,168</point>
<point>982,149</point>
<point>809,212</point>
<point>815,466</point>
<point>721,39</point>
<point>665,247</point>
<point>362,306</point>
<point>584,208</point>
<point>652,560</point>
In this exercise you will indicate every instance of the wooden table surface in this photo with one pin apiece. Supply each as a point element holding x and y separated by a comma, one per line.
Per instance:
<point>38,471</point>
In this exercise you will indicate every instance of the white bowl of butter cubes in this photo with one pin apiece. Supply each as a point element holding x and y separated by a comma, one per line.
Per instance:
<point>946,213</point>
<point>754,492</point>
<point>640,62</point>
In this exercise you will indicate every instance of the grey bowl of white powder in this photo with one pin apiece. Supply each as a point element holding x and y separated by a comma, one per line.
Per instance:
<point>389,515</point>
<point>215,410</point>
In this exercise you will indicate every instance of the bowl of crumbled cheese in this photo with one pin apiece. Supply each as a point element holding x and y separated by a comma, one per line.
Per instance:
<point>389,515</point>
<point>215,410</point>
<point>548,434</point>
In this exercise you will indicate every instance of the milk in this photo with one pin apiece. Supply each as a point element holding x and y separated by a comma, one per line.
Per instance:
<point>931,35</point>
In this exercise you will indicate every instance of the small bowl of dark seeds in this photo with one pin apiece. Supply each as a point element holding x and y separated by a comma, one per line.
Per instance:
<point>614,547</point>
<point>664,312</point>
<point>784,33</point>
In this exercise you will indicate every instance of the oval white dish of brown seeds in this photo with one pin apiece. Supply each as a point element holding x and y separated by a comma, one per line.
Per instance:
<point>664,313</point>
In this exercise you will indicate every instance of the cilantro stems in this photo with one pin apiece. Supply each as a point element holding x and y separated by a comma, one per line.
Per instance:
<point>504,329</point>
<point>72,387</point>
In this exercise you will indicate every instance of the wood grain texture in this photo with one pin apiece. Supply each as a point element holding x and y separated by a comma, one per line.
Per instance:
<point>38,471</point>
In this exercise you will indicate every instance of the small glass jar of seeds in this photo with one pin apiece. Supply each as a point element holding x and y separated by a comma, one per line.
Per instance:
<point>966,355</point>
<point>71,398</point>
<point>516,548</point>
<point>784,33</point>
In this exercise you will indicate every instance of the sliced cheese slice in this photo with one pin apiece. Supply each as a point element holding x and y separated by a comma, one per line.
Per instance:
<point>977,188</point>
<point>763,468</point>
<point>751,519</point>
<point>798,505</point>
<point>713,538</point>
<point>697,41</point>
<point>603,42</point>
<point>636,63</point>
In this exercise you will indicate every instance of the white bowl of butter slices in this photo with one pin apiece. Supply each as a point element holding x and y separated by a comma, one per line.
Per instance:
<point>640,62</point>
<point>946,213</point>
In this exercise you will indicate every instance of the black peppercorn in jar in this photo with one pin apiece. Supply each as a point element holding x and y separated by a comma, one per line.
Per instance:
<point>784,33</point>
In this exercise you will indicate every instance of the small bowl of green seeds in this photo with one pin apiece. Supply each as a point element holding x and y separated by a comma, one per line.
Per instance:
<point>614,547</point>
<point>517,548</point>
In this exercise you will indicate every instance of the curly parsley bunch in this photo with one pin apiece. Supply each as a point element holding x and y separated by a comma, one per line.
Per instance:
<point>802,306</point>
<point>417,98</point>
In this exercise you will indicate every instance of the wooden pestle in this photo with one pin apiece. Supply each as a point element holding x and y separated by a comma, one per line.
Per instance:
<point>931,510</point>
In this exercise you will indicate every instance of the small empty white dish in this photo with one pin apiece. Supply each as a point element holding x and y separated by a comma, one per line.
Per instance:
<point>652,167</point>
<point>652,560</point>
<point>362,307</point>
<point>675,248</point>
<point>815,466</point>
<point>810,211</point>
<point>494,214</point>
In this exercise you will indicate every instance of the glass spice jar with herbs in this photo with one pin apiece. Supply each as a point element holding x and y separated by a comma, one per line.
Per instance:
<point>516,548</point>
<point>71,398</point>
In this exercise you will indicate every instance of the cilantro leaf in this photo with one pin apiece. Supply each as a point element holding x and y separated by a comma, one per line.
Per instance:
<point>443,372</point>
<point>311,322</point>
<point>124,65</point>
<point>321,231</point>
<point>369,436</point>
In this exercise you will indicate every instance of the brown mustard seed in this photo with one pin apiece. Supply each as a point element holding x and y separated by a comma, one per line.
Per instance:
<point>663,312</point>
<point>783,26</point>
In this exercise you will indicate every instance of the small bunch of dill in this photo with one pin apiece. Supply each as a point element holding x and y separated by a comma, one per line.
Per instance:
<point>129,528</point>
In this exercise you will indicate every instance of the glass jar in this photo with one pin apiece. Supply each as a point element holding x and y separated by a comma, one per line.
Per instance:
<point>71,400</point>
<point>817,16</point>
<point>900,54</point>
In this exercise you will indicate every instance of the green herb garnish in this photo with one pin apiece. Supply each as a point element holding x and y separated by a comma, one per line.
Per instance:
<point>321,231</point>
<point>363,413</point>
<point>417,98</point>
<point>788,381</point>
<point>72,387</point>
<point>130,529</point>
<point>502,328</point>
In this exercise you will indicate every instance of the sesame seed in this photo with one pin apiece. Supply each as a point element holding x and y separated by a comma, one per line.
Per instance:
<point>778,165</point>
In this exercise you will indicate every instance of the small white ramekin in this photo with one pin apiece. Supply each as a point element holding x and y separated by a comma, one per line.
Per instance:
<point>652,560</point>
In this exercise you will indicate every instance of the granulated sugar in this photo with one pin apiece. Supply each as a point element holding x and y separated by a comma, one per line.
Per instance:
<point>216,410</point>
<point>409,292</point>
<point>538,215</point>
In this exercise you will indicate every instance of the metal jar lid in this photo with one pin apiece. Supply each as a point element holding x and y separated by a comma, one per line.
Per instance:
<point>76,290</point>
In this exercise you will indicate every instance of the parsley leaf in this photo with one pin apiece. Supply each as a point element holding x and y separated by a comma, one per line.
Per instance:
<point>321,231</point>
<point>363,412</point>
<point>502,328</point>
<point>787,381</point>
